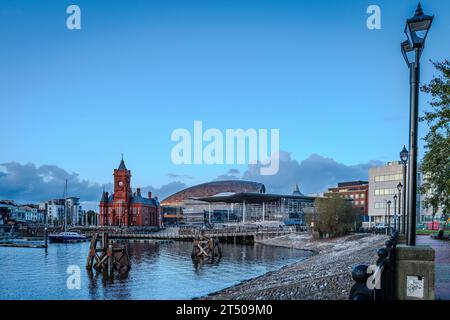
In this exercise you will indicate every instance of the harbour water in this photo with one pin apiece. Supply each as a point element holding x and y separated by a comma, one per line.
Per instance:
<point>159,271</point>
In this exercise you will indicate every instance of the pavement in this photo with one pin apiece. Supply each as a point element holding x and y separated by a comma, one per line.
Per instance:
<point>442,259</point>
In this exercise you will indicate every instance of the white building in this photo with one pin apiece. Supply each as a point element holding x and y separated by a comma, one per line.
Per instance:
<point>383,183</point>
<point>74,211</point>
<point>55,209</point>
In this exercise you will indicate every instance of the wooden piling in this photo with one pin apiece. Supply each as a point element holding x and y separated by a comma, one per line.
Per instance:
<point>108,257</point>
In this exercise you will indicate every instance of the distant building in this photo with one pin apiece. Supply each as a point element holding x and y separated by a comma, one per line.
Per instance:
<point>183,208</point>
<point>10,212</point>
<point>237,202</point>
<point>426,214</point>
<point>55,210</point>
<point>125,208</point>
<point>383,183</point>
<point>358,191</point>
<point>75,213</point>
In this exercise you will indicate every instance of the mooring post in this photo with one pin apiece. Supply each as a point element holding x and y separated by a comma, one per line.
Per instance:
<point>45,229</point>
<point>110,261</point>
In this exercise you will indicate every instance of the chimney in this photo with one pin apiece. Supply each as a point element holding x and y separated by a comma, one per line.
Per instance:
<point>138,190</point>
<point>107,196</point>
<point>149,195</point>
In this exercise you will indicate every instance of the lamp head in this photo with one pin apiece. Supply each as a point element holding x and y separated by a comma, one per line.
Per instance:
<point>417,27</point>
<point>404,155</point>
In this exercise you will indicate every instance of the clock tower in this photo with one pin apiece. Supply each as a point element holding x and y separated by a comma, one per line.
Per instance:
<point>125,208</point>
<point>122,183</point>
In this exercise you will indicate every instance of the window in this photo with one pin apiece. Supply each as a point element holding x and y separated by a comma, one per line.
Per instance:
<point>379,205</point>
<point>362,195</point>
<point>389,177</point>
<point>384,192</point>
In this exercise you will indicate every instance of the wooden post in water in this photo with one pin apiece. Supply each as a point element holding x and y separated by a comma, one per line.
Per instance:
<point>107,258</point>
<point>206,248</point>
<point>45,228</point>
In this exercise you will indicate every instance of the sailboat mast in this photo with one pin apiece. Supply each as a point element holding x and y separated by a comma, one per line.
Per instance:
<point>65,206</point>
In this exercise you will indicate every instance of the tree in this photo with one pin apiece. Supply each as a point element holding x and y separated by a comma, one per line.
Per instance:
<point>436,162</point>
<point>336,216</point>
<point>90,217</point>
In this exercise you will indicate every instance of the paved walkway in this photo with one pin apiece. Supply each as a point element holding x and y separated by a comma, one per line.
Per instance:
<point>442,252</point>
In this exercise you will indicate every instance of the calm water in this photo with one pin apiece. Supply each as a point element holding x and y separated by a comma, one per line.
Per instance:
<point>159,271</point>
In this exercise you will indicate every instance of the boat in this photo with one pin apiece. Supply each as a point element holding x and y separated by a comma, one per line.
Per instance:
<point>66,237</point>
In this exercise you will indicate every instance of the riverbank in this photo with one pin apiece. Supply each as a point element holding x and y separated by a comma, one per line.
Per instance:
<point>326,275</point>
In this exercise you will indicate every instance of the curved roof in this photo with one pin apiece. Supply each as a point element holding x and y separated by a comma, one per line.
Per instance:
<point>213,188</point>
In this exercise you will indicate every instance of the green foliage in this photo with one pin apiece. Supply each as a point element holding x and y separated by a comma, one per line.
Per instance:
<point>436,162</point>
<point>90,216</point>
<point>335,216</point>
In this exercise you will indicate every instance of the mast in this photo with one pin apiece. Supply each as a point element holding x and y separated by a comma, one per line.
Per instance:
<point>65,206</point>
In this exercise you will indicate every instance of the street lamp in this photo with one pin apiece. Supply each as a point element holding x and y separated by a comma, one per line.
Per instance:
<point>404,155</point>
<point>416,30</point>
<point>389,215</point>
<point>399,188</point>
<point>395,212</point>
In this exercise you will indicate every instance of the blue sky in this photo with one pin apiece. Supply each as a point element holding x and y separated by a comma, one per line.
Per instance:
<point>137,70</point>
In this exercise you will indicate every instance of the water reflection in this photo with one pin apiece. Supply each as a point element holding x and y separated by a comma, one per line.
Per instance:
<point>158,271</point>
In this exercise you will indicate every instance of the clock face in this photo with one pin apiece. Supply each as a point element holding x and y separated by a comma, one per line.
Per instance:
<point>120,184</point>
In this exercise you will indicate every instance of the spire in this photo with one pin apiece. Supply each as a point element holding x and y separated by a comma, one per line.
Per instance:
<point>296,191</point>
<point>122,164</point>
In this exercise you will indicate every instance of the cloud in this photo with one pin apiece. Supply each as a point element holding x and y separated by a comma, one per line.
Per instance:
<point>232,174</point>
<point>31,183</point>
<point>313,175</point>
<point>179,176</point>
<point>165,190</point>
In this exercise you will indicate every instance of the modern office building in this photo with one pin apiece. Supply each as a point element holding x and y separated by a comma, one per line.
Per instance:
<point>383,183</point>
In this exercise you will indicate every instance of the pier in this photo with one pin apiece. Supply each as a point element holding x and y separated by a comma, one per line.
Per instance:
<point>225,235</point>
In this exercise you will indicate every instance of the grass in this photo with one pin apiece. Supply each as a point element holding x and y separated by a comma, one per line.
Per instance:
<point>428,232</point>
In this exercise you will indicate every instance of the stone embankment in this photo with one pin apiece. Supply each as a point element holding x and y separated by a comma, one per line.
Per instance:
<point>325,275</point>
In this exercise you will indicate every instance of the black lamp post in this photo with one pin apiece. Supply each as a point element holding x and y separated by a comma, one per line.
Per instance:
<point>416,30</point>
<point>395,212</point>
<point>404,155</point>
<point>399,188</point>
<point>389,215</point>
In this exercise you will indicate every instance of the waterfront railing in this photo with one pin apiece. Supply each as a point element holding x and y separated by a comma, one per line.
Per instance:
<point>377,282</point>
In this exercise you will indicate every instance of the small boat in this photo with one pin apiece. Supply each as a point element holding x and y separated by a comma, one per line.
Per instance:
<point>66,237</point>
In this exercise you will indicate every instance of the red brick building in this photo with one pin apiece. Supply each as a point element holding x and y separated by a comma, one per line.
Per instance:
<point>358,191</point>
<point>125,208</point>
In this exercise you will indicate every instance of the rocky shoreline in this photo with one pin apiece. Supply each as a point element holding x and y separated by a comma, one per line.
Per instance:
<point>326,275</point>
